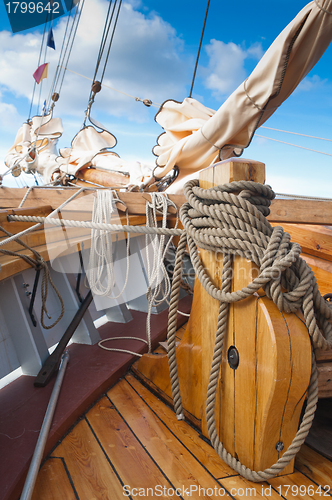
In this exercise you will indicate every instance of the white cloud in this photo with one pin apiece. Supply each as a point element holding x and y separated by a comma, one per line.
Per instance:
<point>9,117</point>
<point>255,51</point>
<point>311,83</point>
<point>226,68</point>
<point>145,61</point>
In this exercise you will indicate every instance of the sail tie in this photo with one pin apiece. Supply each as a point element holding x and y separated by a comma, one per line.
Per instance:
<point>322,8</point>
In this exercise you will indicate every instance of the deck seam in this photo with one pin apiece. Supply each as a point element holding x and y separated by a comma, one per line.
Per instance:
<point>274,489</point>
<point>141,444</point>
<point>70,479</point>
<point>106,455</point>
<point>161,420</point>
<point>329,492</point>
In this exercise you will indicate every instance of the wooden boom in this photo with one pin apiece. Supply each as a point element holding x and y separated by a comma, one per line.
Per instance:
<point>258,403</point>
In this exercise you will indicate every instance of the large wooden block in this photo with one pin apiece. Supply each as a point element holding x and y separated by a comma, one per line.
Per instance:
<point>258,404</point>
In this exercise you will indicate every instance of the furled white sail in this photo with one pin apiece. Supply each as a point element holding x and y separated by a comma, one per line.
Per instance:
<point>90,148</point>
<point>196,137</point>
<point>34,148</point>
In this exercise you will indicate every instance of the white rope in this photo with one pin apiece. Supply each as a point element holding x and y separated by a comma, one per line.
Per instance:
<point>100,343</point>
<point>159,285</point>
<point>40,222</point>
<point>183,313</point>
<point>101,265</point>
<point>101,259</point>
<point>95,225</point>
<point>290,144</point>
<point>301,197</point>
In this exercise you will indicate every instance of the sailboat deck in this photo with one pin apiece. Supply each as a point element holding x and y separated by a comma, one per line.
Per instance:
<point>130,444</point>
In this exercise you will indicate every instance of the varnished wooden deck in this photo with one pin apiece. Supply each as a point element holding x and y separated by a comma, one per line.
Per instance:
<point>131,439</point>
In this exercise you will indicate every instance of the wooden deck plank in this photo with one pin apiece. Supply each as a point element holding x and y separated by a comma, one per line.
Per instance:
<point>188,436</point>
<point>91,473</point>
<point>181,468</point>
<point>53,482</point>
<point>315,466</point>
<point>128,456</point>
<point>240,488</point>
<point>132,438</point>
<point>297,485</point>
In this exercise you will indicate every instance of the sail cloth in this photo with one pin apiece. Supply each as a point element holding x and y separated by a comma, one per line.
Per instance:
<point>196,136</point>
<point>90,148</point>
<point>34,148</point>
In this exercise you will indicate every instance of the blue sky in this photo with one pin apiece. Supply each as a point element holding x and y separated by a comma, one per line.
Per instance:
<point>153,56</point>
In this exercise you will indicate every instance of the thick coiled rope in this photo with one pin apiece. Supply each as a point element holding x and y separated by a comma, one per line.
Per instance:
<point>231,219</point>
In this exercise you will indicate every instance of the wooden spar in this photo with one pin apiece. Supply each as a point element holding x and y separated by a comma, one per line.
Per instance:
<point>297,211</point>
<point>102,177</point>
<point>259,403</point>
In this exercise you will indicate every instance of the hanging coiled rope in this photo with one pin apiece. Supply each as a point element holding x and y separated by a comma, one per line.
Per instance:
<point>38,263</point>
<point>229,218</point>
<point>101,266</point>
<point>159,285</point>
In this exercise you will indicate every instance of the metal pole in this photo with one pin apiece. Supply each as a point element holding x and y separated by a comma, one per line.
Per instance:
<point>52,362</point>
<point>39,450</point>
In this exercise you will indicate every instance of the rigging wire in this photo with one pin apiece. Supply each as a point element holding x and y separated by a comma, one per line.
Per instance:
<point>69,46</point>
<point>138,99</point>
<point>41,83</point>
<point>295,145</point>
<point>72,40</point>
<point>56,76</point>
<point>157,105</point>
<point>199,48</point>
<point>38,64</point>
<point>111,41</point>
<point>104,36</point>
<point>108,23</point>
<point>297,133</point>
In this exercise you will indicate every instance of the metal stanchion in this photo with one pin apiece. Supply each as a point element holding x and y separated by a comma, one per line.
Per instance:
<point>38,453</point>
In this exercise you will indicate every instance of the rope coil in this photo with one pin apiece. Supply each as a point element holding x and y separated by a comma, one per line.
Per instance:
<point>231,219</point>
<point>38,263</point>
<point>101,265</point>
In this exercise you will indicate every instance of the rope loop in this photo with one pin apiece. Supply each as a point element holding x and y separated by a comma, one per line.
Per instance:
<point>39,264</point>
<point>231,219</point>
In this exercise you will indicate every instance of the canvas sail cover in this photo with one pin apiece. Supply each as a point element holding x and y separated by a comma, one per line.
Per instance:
<point>196,136</point>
